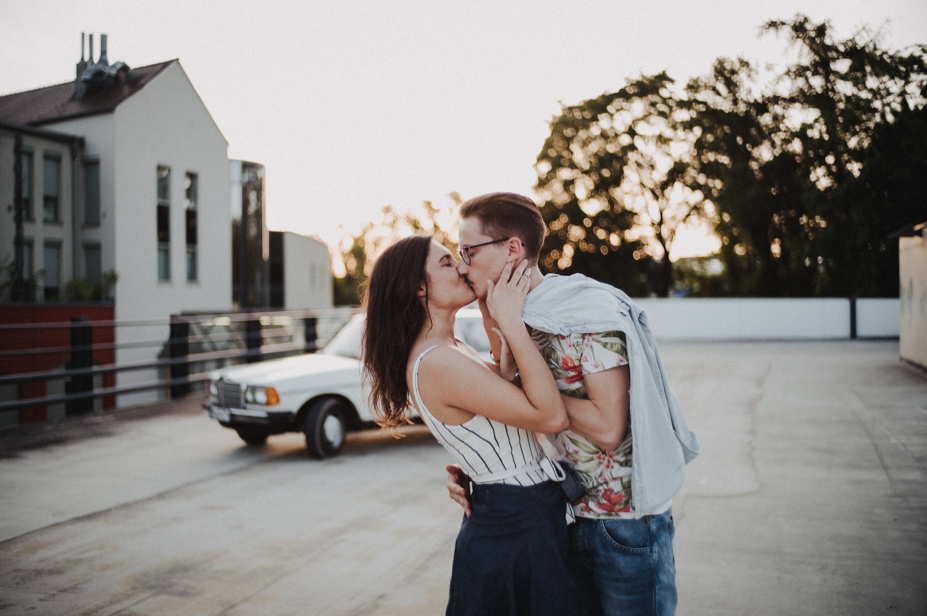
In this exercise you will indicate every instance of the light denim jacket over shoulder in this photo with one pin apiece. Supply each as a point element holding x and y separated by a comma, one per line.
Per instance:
<point>663,443</point>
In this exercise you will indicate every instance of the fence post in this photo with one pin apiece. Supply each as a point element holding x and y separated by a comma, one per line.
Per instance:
<point>81,357</point>
<point>253,340</point>
<point>179,348</point>
<point>310,325</point>
<point>852,318</point>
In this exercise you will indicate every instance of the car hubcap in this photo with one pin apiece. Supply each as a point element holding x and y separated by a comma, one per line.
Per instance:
<point>333,430</point>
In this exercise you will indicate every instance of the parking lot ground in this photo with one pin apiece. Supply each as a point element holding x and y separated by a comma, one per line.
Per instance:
<point>810,497</point>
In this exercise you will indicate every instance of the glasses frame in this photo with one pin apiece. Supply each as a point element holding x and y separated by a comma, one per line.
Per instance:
<point>464,251</point>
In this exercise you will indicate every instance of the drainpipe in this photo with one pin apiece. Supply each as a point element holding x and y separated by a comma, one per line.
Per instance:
<point>75,225</point>
<point>18,291</point>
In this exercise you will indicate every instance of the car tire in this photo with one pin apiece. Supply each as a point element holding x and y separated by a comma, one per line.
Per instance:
<point>325,427</point>
<point>252,436</point>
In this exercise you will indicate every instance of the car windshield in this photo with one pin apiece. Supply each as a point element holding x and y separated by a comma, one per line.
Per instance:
<point>347,342</point>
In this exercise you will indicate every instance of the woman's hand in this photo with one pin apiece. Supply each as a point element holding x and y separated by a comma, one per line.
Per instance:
<point>506,298</point>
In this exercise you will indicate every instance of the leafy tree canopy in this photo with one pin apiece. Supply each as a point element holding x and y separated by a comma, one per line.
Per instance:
<point>358,252</point>
<point>791,173</point>
<point>614,177</point>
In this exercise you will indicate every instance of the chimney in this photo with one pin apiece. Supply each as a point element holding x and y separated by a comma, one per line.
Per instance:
<point>103,59</point>
<point>79,87</point>
<point>90,57</point>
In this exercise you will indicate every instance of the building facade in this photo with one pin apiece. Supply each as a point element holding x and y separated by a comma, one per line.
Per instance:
<point>300,272</point>
<point>124,171</point>
<point>123,175</point>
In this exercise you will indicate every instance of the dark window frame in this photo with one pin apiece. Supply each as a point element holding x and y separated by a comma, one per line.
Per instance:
<point>51,202</point>
<point>163,222</point>
<point>51,294</point>
<point>92,203</point>
<point>28,181</point>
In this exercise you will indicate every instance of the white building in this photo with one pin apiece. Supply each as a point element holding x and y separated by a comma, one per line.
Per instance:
<point>150,200</point>
<point>304,268</point>
<point>125,170</point>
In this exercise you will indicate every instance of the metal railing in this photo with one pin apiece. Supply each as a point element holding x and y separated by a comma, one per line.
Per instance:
<point>195,344</point>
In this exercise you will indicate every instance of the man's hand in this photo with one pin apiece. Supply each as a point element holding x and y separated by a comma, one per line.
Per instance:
<point>458,487</point>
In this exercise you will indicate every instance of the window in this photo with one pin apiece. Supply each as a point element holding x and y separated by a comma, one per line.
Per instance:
<point>26,174</point>
<point>190,193</point>
<point>93,263</point>
<point>164,223</point>
<point>51,183</point>
<point>29,268</point>
<point>28,259</point>
<point>92,193</point>
<point>52,279</point>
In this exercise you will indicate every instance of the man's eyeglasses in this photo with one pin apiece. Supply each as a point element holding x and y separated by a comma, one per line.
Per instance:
<point>464,251</point>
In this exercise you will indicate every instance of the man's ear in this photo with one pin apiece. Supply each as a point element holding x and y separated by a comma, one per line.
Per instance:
<point>515,247</point>
<point>422,291</point>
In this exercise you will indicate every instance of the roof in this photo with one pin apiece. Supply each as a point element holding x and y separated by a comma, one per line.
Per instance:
<point>54,102</point>
<point>39,132</point>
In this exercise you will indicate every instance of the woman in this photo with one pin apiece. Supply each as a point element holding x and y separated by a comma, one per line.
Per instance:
<point>510,554</point>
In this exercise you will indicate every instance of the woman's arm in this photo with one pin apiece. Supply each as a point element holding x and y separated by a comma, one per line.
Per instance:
<point>455,387</point>
<point>505,301</point>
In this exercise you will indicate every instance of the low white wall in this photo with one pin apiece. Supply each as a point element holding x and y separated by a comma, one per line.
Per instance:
<point>769,318</point>
<point>878,318</point>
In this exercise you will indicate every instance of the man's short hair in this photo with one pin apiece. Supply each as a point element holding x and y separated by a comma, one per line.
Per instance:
<point>504,215</point>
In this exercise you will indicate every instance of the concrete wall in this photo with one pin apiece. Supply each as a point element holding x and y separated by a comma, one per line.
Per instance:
<point>913,266</point>
<point>307,272</point>
<point>769,318</point>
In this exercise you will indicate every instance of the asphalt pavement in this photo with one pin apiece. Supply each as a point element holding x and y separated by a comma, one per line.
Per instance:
<point>810,496</point>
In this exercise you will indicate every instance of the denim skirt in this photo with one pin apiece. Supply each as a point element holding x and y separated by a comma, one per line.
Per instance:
<point>511,554</point>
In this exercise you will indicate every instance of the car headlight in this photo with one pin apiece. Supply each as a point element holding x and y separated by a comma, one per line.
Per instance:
<point>213,388</point>
<point>266,396</point>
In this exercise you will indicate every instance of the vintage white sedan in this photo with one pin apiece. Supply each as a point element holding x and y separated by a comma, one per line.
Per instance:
<point>319,394</point>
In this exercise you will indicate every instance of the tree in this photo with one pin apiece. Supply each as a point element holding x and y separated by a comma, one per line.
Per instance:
<point>744,166</point>
<point>841,93</point>
<point>358,252</point>
<point>615,178</point>
<point>28,284</point>
<point>785,163</point>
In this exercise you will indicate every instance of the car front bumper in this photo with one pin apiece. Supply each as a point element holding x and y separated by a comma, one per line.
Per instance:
<point>276,420</point>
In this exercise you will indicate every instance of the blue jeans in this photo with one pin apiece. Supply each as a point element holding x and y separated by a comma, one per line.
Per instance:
<point>627,564</point>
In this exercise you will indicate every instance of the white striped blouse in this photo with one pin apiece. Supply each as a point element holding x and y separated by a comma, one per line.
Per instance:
<point>484,447</point>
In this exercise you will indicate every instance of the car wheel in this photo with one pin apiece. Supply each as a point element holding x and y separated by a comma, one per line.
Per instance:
<point>325,427</point>
<point>252,436</point>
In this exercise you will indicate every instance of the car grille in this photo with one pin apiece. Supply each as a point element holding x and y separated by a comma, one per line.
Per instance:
<point>230,394</point>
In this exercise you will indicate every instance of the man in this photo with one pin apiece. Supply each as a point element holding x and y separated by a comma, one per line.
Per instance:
<point>628,439</point>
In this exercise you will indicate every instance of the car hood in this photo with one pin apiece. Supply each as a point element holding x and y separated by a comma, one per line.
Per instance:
<point>281,370</point>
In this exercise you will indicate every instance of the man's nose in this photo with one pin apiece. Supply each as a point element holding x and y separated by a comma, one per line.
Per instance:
<point>462,269</point>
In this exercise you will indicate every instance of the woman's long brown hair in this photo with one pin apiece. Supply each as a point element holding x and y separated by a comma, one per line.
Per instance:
<point>395,316</point>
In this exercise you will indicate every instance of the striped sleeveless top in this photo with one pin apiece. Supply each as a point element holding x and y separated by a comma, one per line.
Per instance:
<point>487,450</point>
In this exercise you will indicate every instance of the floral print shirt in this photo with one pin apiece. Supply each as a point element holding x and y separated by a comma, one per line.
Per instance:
<point>606,475</point>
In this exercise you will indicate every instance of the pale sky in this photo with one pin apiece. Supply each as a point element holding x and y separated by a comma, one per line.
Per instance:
<point>355,105</point>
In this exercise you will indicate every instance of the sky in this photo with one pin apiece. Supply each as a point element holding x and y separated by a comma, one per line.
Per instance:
<point>353,105</point>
